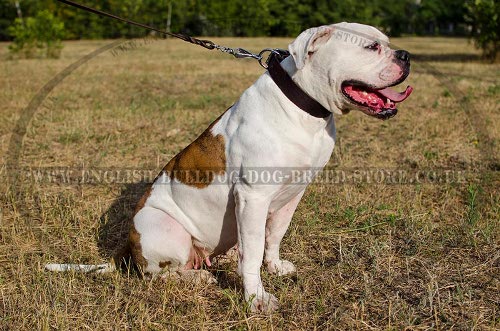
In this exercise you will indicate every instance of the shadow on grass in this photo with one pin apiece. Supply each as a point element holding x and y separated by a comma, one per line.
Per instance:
<point>115,222</point>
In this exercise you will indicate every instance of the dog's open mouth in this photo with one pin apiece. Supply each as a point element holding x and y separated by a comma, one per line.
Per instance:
<point>380,103</point>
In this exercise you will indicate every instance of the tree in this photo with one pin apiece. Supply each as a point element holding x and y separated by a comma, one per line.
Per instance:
<point>483,17</point>
<point>38,36</point>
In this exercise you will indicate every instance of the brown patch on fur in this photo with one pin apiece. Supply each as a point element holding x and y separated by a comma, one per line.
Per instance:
<point>143,199</point>
<point>199,163</point>
<point>163,264</point>
<point>134,237</point>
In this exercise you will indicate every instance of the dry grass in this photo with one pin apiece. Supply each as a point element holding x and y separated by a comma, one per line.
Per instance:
<point>369,256</point>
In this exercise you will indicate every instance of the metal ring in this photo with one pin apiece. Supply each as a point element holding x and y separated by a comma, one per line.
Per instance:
<point>261,56</point>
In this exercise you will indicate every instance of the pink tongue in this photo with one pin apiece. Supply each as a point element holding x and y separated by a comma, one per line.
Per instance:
<point>395,96</point>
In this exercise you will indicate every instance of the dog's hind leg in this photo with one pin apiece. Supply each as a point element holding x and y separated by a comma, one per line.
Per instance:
<point>276,227</point>
<point>157,240</point>
<point>160,244</point>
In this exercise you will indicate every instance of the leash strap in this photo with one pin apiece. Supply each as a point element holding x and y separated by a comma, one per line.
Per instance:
<point>204,43</point>
<point>291,90</point>
<point>236,52</point>
<point>272,63</point>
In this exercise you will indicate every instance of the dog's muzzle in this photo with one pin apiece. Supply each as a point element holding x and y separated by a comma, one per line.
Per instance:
<point>380,102</point>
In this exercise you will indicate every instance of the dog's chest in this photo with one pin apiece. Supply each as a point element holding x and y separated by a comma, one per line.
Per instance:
<point>317,151</point>
<point>304,172</point>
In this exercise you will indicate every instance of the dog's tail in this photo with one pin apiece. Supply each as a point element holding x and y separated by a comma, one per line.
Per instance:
<point>97,268</point>
<point>119,259</point>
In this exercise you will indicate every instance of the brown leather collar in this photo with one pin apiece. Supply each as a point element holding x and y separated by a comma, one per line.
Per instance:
<point>293,92</point>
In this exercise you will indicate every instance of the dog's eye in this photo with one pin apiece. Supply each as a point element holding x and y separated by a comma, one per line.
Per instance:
<point>373,46</point>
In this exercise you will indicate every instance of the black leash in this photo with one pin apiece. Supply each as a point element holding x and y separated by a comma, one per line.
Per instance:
<point>204,43</point>
<point>293,92</point>
<point>236,52</point>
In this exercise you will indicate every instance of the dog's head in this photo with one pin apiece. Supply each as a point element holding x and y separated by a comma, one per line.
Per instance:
<point>351,66</point>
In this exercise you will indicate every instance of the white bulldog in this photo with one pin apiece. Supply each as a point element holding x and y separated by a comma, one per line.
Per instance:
<point>190,215</point>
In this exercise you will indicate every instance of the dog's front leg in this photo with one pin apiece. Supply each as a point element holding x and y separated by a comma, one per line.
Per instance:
<point>251,214</point>
<point>276,227</point>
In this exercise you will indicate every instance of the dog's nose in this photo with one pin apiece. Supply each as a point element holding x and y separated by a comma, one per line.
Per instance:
<point>403,56</point>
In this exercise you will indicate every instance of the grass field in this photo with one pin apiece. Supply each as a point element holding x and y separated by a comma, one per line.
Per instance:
<point>370,256</point>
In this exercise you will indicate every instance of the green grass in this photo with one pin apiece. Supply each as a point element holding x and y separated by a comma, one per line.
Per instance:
<point>369,255</point>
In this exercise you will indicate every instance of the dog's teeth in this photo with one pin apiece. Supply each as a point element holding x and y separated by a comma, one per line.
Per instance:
<point>388,101</point>
<point>364,93</point>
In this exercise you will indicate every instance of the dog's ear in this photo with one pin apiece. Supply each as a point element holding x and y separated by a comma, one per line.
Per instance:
<point>308,42</point>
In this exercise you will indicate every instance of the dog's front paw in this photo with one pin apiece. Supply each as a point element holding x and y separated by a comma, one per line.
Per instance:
<point>265,303</point>
<point>281,267</point>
